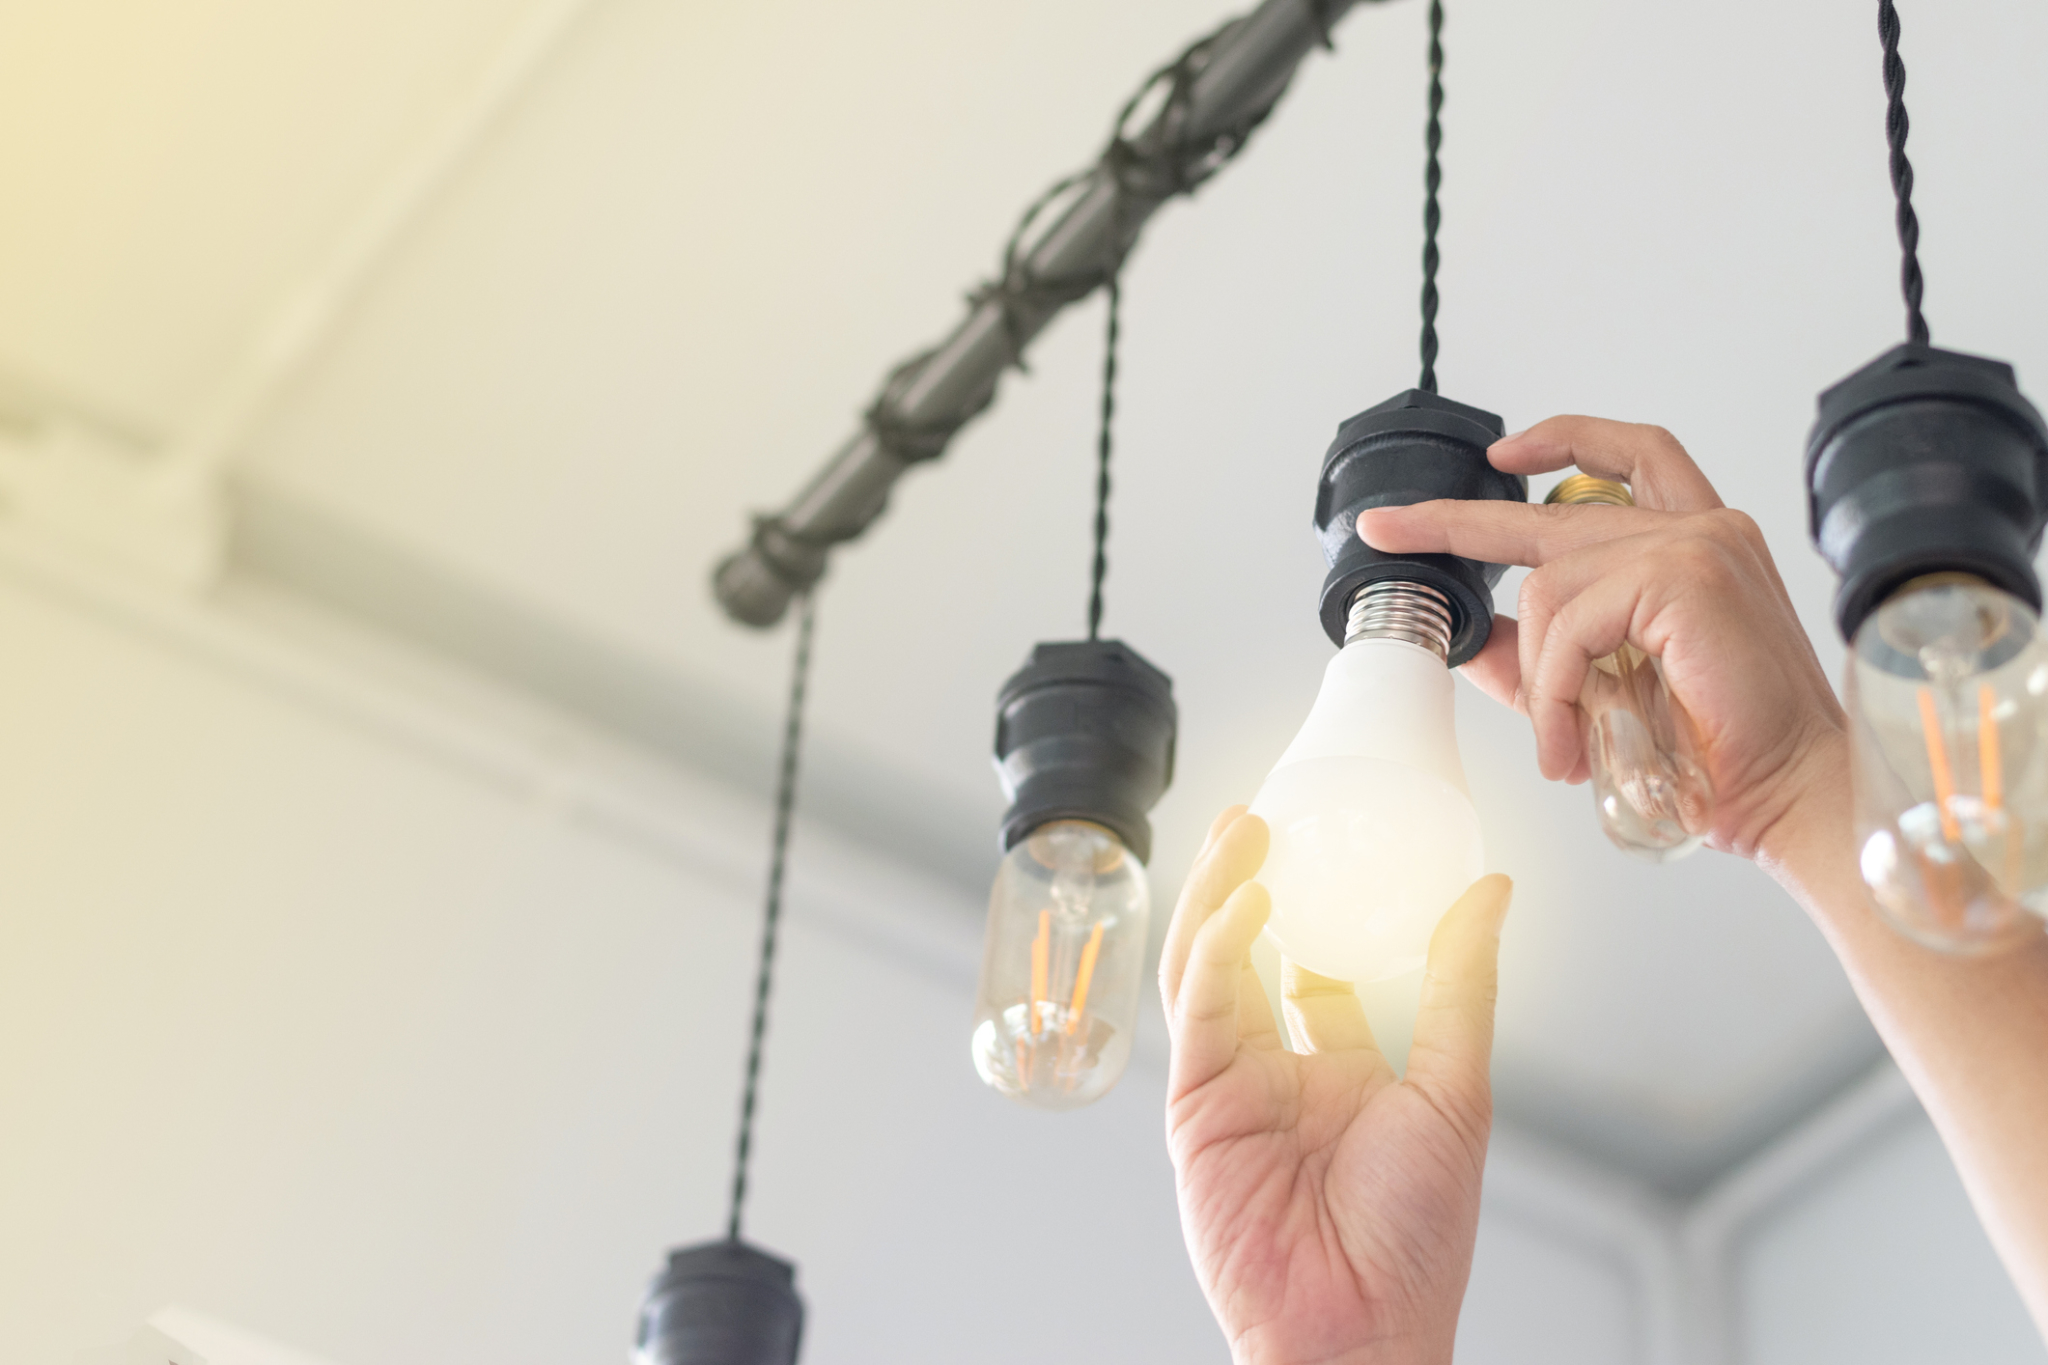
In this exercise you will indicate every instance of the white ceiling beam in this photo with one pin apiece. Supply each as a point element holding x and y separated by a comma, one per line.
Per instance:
<point>174,506</point>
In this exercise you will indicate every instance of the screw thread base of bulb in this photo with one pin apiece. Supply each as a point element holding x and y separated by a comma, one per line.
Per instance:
<point>1401,609</point>
<point>1581,489</point>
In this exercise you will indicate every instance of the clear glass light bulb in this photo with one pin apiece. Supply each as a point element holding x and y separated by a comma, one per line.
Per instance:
<point>1373,833</point>
<point>1065,951</point>
<point>1651,792</point>
<point>1650,789</point>
<point>1948,697</point>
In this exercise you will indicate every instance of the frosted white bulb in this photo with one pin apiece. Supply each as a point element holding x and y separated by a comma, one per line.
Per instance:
<point>1948,702</point>
<point>1373,833</point>
<point>1059,981</point>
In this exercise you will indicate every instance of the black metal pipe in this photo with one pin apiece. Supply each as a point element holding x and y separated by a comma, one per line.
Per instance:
<point>1233,79</point>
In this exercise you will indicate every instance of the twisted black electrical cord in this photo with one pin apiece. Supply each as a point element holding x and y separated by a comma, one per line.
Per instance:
<point>1432,177</point>
<point>1102,446</point>
<point>1896,127</point>
<point>778,859</point>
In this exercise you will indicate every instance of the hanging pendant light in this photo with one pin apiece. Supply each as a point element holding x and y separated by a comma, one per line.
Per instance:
<point>1084,749</point>
<point>721,1303</point>
<point>1927,476</point>
<point>729,1302</point>
<point>1373,832</point>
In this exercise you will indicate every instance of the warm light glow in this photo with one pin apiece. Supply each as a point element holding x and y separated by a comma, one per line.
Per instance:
<point>1373,835</point>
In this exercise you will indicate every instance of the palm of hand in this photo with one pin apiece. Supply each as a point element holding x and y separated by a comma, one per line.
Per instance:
<point>1329,1205</point>
<point>1332,1205</point>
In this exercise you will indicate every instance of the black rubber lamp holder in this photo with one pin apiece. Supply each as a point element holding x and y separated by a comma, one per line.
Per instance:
<point>721,1303</point>
<point>1926,461</point>
<point>1085,731</point>
<point>1415,447</point>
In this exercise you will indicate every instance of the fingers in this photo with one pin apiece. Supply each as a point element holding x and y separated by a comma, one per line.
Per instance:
<point>1218,825</point>
<point>1497,668</point>
<point>1656,467</point>
<point>1256,1026</point>
<point>1594,622</point>
<point>1649,459</point>
<point>1454,1027</point>
<point>1497,532</point>
<point>1204,1019</point>
<point>1324,1014</point>
<point>1563,629</point>
<point>1691,589</point>
<point>1235,849</point>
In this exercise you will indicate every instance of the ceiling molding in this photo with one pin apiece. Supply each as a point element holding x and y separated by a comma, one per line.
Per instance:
<point>195,459</point>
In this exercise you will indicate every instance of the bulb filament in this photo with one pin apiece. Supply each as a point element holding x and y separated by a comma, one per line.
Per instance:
<point>1987,748</point>
<point>1040,952</point>
<point>1082,974</point>
<point>1937,763</point>
<point>1044,1012</point>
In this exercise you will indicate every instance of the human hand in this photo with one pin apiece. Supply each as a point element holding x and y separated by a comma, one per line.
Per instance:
<point>1680,577</point>
<point>1330,1206</point>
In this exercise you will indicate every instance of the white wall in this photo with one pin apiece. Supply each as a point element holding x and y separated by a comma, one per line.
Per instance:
<point>1879,1261</point>
<point>1541,1298</point>
<point>382,1019</point>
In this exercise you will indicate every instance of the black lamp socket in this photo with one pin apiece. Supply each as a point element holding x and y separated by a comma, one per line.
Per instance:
<point>721,1303</point>
<point>1085,731</point>
<point>1415,447</point>
<point>1926,461</point>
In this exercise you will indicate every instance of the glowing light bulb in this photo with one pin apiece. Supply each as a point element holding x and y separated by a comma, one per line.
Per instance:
<point>1064,954</point>
<point>1948,695</point>
<point>1373,832</point>
<point>1650,790</point>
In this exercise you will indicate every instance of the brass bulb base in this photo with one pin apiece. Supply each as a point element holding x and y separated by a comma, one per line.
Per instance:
<point>1580,489</point>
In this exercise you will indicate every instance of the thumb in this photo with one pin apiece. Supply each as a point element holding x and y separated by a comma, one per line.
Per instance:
<point>1454,1027</point>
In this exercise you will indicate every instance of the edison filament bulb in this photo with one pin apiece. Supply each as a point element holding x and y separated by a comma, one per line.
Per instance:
<point>1927,483</point>
<point>1947,688</point>
<point>1650,788</point>
<point>1064,955</point>
<point>1084,748</point>
<point>1373,833</point>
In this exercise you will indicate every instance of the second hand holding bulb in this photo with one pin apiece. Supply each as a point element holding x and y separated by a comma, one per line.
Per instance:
<point>1650,790</point>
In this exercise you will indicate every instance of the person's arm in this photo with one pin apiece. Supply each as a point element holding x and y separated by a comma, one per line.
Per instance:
<point>1971,1035</point>
<point>1329,1205</point>
<point>1683,578</point>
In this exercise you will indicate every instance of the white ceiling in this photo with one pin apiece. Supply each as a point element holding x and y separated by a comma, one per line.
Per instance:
<point>657,291</point>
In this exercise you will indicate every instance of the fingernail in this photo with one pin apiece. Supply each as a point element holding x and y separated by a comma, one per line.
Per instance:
<point>1511,436</point>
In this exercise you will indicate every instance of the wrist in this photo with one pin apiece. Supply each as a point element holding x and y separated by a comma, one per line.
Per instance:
<point>1810,847</point>
<point>1421,1348</point>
